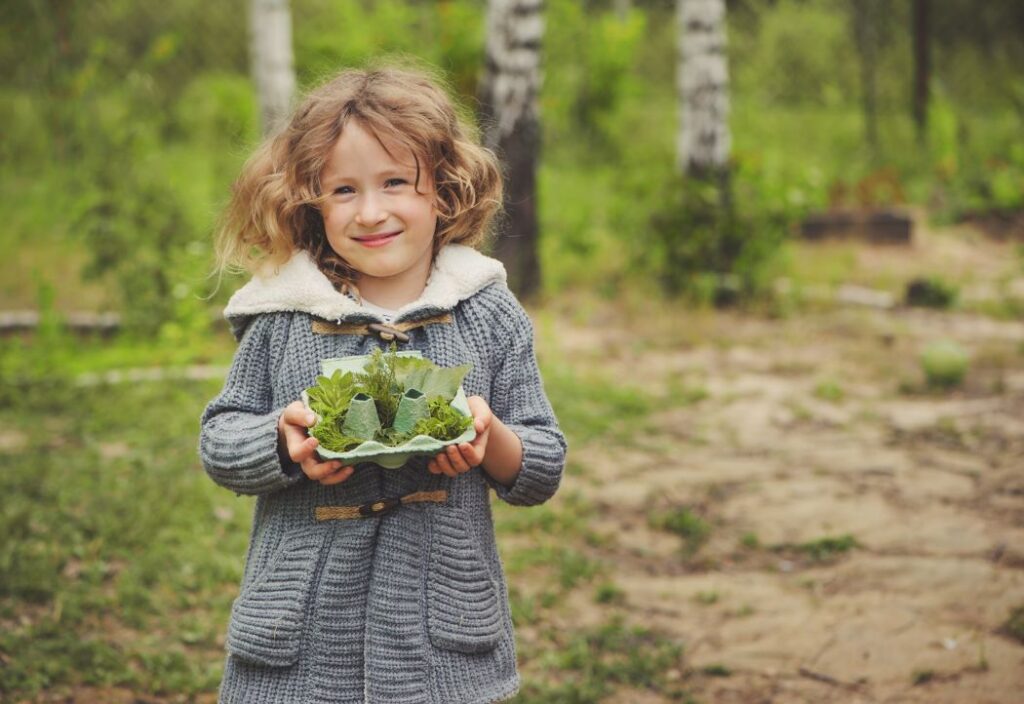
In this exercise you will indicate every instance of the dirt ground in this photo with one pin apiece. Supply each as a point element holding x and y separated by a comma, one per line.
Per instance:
<point>818,425</point>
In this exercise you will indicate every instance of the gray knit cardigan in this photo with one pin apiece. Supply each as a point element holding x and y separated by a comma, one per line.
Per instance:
<point>410,606</point>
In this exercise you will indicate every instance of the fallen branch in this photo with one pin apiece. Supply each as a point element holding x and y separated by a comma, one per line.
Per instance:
<point>201,372</point>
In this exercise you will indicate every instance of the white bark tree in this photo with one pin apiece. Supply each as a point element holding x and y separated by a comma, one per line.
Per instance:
<point>508,96</point>
<point>703,83</point>
<point>270,52</point>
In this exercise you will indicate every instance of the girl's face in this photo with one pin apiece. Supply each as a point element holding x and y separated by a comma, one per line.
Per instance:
<point>374,217</point>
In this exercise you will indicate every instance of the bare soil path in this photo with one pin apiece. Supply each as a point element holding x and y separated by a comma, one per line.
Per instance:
<point>866,534</point>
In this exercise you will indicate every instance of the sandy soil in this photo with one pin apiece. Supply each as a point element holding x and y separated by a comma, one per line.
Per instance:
<point>929,484</point>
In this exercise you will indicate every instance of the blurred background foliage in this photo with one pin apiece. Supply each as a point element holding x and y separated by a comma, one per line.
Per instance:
<point>125,125</point>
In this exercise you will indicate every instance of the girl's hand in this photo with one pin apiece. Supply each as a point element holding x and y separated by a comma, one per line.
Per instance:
<point>291,434</point>
<point>459,459</point>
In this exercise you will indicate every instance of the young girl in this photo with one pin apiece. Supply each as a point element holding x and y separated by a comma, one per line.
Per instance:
<point>364,584</point>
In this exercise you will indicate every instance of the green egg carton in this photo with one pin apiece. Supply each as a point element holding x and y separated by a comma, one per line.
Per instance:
<point>364,421</point>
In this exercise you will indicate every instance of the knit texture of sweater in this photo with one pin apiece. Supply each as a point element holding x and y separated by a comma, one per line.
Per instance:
<point>408,607</point>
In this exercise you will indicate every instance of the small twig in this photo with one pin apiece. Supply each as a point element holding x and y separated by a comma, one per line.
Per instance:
<point>827,679</point>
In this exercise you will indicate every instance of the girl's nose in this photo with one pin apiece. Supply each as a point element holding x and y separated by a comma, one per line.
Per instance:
<point>370,211</point>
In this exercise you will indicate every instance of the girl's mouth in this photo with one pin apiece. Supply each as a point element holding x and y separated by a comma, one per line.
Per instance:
<point>377,240</point>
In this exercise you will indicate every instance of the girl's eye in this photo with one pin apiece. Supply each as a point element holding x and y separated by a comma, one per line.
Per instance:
<point>392,182</point>
<point>342,190</point>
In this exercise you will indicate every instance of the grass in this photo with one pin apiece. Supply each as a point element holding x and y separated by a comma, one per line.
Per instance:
<point>1014,625</point>
<point>106,494</point>
<point>609,593</point>
<point>591,406</point>
<point>706,598</point>
<point>592,662</point>
<point>919,677</point>
<point>683,522</point>
<point>827,548</point>
<point>829,390</point>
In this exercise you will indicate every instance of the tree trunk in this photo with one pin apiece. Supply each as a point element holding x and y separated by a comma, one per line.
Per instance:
<point>866,31</point>
<point>922,66</point>
<point>508,99</point>
<point>703,82</point>
<point>270,25</point>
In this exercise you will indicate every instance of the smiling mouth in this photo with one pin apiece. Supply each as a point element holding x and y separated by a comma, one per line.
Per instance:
<point>378,239</point>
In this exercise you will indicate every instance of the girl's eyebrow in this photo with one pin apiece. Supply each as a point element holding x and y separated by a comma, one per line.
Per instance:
<point>402,170</point>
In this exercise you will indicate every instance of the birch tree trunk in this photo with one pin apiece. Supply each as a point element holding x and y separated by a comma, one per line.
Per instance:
<point>508,99</point>
<point>270,51</point>
<point>703,83</point>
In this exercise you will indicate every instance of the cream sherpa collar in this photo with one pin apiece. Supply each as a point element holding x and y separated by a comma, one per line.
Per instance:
<point>298,285</point>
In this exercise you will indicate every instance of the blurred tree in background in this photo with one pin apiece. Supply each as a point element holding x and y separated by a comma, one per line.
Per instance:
<point>508,97</point>
<point>270,41</point>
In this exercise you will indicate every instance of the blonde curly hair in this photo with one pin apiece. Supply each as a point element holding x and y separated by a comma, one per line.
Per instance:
<point>275,203</point>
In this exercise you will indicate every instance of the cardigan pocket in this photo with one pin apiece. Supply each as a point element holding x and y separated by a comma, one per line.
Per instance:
<point>268,617</point>
<point>463,613</point>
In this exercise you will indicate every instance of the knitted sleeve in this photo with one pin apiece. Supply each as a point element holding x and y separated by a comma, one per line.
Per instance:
<point>518,399</point>
<point>238,437</point>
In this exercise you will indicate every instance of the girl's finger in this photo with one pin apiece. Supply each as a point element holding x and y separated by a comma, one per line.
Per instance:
<point>472,455</point>
<point>446,466</point>
<point>297,414</point>
<point>338,477</point>
<point>456,459</point>
<point>320,470</point>
<point>432,467</point>
<point>301,448</point>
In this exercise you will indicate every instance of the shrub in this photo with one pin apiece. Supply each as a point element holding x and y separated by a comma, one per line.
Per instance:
<point>716,238</point>
<point>931,292</point>
<point>945,364</point>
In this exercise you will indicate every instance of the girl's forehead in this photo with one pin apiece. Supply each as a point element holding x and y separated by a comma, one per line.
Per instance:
<point>358,147</point>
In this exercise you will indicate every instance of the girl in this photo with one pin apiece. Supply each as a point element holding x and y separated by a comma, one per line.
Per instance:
<point>364,584</point>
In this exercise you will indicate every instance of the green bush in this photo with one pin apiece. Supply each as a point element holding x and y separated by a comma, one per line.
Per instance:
<point>931,292</point>
<point>945,364</point>
<point>715,239</point>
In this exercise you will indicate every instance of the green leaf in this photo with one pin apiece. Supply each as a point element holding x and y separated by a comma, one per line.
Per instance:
<point>331,396</point>
<point>428,378</point>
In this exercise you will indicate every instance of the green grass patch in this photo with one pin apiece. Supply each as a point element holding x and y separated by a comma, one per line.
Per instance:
<point>828,548</point>
<point>919,677</point>
<point>683,522</point>
<point>565,515</point>
<point>1014,626</point>
<point>681,392</point>
<point>706,598</point>
<point>105,494</point>
<point>609,593</point>
<point>588,665</point>
<point>591,406</point>
<point>829,390</point>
